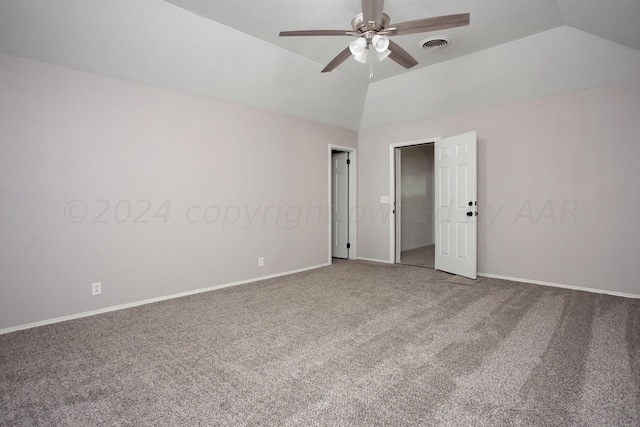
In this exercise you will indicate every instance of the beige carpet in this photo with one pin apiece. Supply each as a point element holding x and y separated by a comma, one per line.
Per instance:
<point>425,257</point>
<point>355,343</point>
<point>420,257</point>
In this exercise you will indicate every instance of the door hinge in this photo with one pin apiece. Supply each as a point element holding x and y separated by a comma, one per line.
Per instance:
<point>348,245</point>
<point>348,161</point>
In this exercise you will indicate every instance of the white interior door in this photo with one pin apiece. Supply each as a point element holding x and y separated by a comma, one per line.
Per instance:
<point>340,205</point>
<point>456,205</point>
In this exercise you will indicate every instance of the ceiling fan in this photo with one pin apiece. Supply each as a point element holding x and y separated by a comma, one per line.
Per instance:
<point>372,29</point>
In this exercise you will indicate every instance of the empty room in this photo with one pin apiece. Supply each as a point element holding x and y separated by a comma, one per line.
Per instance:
<point>207,211</point>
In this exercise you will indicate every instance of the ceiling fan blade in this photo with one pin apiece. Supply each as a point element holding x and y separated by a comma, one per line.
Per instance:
<point>316,33</point>
<point>342,56</point>
<point>430,24</point>
<point>372,11</point>
<point>401,56</point>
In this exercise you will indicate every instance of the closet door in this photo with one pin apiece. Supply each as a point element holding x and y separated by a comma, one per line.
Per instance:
<point>456,205</point>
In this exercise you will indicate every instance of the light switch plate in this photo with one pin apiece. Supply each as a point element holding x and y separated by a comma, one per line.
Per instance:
<point>384,199</point>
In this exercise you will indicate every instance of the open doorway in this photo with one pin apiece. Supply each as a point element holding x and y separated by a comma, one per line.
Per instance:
<point>415,198</point>
<point>340,244</point>
<point>342,202</point>
<point>454,208</point>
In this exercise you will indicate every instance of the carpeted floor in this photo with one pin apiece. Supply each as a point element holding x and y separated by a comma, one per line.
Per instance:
<point>355,343</point>
<point>421,257</point>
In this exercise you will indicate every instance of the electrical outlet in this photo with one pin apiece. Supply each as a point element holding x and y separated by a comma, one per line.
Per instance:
<point>96,288</point>
<point>261,262</point>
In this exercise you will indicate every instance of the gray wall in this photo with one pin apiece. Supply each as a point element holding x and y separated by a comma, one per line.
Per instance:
<point>78,149</point>
<point>148,191</point>
<point>562,60</point>
<point>556,180</point>
<point>416,199</point>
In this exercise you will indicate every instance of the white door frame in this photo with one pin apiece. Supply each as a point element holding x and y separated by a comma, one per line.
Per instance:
<point>353,230</point>
<point>392,188</point>
<point>396,208</point>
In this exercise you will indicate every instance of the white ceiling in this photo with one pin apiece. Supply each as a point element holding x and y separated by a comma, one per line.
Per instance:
<point>230,51</point>
<point>493,22</point>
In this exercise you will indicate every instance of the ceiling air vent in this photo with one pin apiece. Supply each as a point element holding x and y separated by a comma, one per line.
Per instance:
<point>437,42</point>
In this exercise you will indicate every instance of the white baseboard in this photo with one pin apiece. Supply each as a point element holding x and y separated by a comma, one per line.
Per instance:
<point>559,285</point>
<point>271,276</point>
<point>385,261</point>
<point>536,282</point>
<point>151,300</point>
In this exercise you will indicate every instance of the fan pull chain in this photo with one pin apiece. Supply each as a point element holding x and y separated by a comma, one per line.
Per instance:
<point>370,64</point>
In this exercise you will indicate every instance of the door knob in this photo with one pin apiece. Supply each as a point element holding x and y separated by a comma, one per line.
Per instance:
<point>469,213</point>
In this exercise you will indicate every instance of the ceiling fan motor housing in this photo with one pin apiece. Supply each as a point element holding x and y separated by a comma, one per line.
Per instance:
<point>362,27</point>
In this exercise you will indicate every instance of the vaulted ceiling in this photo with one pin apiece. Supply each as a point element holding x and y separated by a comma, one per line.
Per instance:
<point>230,51</point>
<point>493,22</point>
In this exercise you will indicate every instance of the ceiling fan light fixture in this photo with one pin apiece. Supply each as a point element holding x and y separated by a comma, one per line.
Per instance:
<point>380,43</point>
<point>362,58</point>
<point>358,47</point>
<point>383,54</point>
